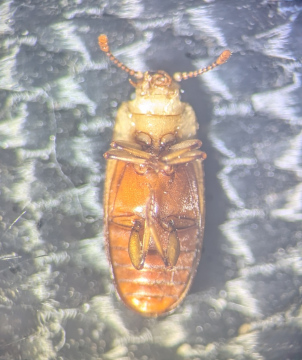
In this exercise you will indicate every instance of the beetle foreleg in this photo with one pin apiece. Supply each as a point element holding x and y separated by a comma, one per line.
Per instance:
<point>137,250</point>
<point>181,149</point>
<point>186,144</point>
<point>183,152</point>
<point>124,155</point>
<point>131,148</point>
<point>186,157</point>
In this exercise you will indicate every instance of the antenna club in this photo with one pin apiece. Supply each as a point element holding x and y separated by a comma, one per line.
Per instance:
<point>223,57</point>
<point>103,43</point>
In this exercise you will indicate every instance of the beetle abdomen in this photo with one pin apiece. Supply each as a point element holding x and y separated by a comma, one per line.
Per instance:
<point>155,289</point>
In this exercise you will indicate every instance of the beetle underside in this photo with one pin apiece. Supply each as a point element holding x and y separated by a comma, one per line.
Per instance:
<point>154,191</point>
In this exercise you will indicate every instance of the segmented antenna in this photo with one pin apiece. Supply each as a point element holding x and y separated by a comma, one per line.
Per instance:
<point>223,57</point>
<point>103,43</point>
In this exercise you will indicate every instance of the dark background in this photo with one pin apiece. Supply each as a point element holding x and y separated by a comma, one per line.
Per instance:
<point>59,98</point>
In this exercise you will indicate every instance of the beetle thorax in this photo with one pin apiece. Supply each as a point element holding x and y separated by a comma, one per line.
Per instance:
<point>156,110</point>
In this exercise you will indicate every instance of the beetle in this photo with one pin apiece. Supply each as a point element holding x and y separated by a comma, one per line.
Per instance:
<point>154,192</point>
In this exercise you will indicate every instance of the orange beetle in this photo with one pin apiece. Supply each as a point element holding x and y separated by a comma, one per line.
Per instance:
<point>154,192</point>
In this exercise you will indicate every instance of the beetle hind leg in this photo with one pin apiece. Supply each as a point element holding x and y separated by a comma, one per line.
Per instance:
<point>138,248</point>
<point>171,254</point>
<point>135,247</point>
<point>173,249</point>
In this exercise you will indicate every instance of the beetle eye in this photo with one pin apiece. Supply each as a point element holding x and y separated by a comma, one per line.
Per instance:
<point>144,139</point>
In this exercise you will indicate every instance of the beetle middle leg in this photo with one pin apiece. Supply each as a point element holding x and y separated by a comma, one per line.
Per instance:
<point>173,249</point>
<point>138,248</point>
<point>129,152</point>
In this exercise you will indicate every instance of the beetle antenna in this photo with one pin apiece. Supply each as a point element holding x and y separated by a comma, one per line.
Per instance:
<point>223,57</point>
<point>103,43</point>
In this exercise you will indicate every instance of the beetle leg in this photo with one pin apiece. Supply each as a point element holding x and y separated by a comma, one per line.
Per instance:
<point>173,249</point>
<point>146,238</point>
<point>186,157</point>
<point>183,152</point>
<point>138,250</point>
<point>131,148</point>
<point>174,152</point>
<point>135,247</point>
<point>123,155</point>
<point>186,144</point>
<point>122,144</point>
<point>150,230</point>
<point>157,243</point>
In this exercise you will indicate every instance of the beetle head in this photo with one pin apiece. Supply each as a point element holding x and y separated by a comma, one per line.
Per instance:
<point>155,83</point>
<point>156,94</point>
